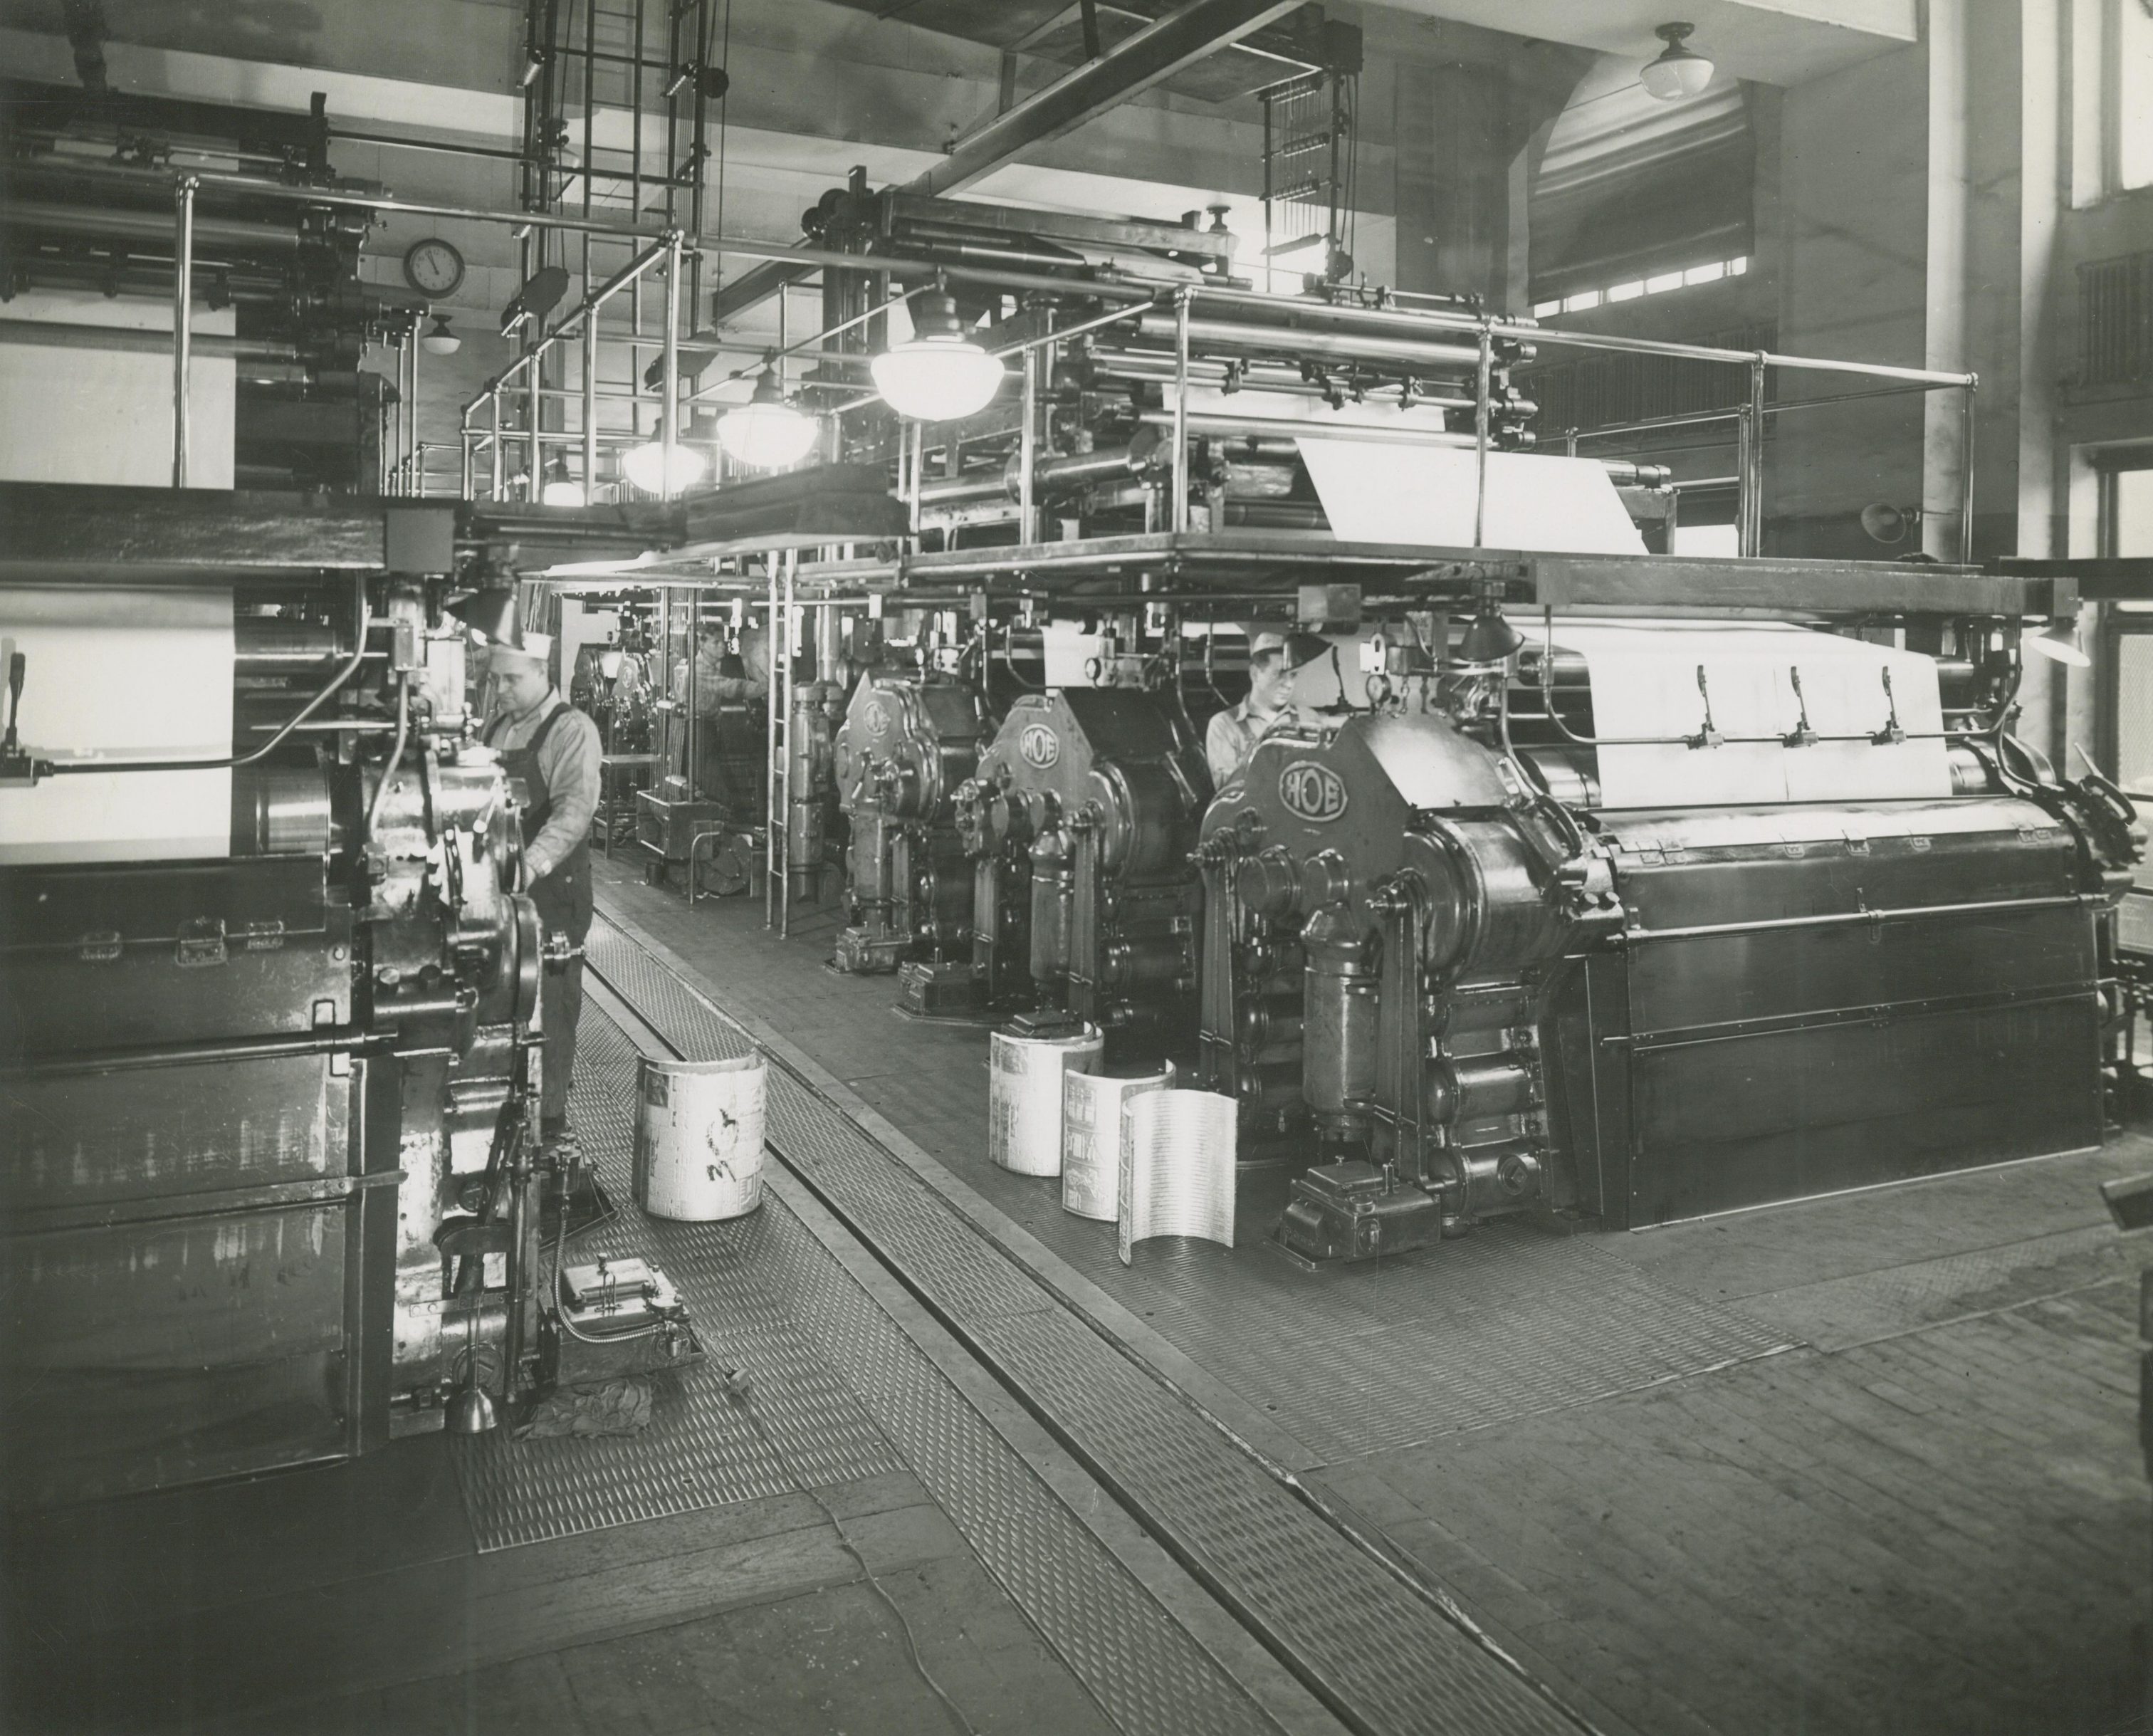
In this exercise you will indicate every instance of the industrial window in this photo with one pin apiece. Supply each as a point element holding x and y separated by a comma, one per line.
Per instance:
<point>1581,300</point>
<point>2126,691</point>
<point>1631,188</point>
<point>2111,98</point>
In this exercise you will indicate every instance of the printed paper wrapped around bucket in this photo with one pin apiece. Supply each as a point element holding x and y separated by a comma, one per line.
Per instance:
<point>1091,1139</point>
<point>1177,1167</point>
<point>1023,1096</point>
<point>699,1138</point>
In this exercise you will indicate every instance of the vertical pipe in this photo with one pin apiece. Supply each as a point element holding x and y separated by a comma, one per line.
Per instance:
<point>772,822</point>
<point>695,707</point>
<point>1756,454</point>
<point>919,463</point>
<point>1178,517</point>
<point>1484,378</point>
<point>590,404</point>
<point>1027,495</point>
<point>183,275</point>
<point>782,648</point>
<point>469,480</point>
<point>1965,422</point>
<point>671,386</point>
<point>495,494</point>
<point>417,482</point>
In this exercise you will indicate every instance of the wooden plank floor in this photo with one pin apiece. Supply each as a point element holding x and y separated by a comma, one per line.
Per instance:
<point>1930,1517</point>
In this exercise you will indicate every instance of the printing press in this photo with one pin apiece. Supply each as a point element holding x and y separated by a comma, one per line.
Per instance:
<point>269,999</point>
<point>1582,879</point>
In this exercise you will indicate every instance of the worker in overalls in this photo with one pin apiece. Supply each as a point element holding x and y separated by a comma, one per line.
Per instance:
<point>550,753</point>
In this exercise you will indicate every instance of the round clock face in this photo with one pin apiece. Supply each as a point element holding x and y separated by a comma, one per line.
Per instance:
<point>434,267</point>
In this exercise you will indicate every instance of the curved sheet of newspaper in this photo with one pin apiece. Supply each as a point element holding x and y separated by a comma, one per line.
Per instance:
<point>1091,1139</point>
<point>1023,1096</point>
<point>1177,1167</point>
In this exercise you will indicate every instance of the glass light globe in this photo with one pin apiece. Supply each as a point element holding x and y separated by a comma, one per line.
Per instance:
<point>1679,71</point>
<point>559,488</point>
<point>645,467</point>
<point>766,433</point>
<point>937,379</point>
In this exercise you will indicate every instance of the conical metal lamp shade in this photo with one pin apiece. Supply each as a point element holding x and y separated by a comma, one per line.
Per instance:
<point>491,613</point>
<point>1490,638</point>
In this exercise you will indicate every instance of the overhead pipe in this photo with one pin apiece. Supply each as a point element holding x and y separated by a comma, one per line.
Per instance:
<point>1332,346</point>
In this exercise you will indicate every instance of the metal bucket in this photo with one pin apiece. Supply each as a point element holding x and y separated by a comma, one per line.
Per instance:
<point>699,1138</point>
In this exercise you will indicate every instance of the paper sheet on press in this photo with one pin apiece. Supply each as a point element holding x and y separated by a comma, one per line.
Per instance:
<point>1644,677</point>
<point>120,674</point>
<point>1374,492</point>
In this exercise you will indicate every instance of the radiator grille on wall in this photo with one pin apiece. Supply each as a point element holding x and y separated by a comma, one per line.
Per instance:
<point>1593,391</point>
<point>2115,322</point>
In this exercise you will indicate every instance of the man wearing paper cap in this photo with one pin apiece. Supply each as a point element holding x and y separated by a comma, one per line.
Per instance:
<point>551,753</point>
<point>1234,733</point>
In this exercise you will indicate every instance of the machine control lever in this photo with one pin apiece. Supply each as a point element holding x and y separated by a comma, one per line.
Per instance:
<point>17,768</point>
<point>558,952</point>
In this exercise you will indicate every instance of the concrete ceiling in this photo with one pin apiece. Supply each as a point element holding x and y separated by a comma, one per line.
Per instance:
<point>1774,42</point>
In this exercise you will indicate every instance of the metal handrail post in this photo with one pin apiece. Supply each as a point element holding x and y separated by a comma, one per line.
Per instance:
<point>1484,384</point>
<point>672,369</point>
<point>1744,438</point>
<point>1177,515</point>
<point>183,274</point>
<point>694,712</point>
<point>494,494</point>
<point>469,478</point>
<point>781,648</point>
<point>770,776</point>
<point>1755,496</point>
<point>1027,495</point>
<point>1965,470</point>
<point>591,407</point>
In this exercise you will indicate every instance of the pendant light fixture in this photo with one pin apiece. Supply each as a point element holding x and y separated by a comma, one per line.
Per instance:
<point>1679,71</point>
<point>440,340</point>
<point>766,433</point>
<point>559,488</point>
<point>2059,641</point>
<point>644,465</point>
<point>1488,638</point>
<point>938,374</point>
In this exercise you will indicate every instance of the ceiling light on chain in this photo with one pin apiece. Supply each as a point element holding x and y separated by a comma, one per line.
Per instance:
<point>1680,71</point>
<point>766,433</point>
<point>938,374</point>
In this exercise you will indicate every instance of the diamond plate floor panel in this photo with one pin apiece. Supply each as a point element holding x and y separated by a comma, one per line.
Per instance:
<point>1140,1666</point>
<point>700,1450</point>
<point>1377,1649</point>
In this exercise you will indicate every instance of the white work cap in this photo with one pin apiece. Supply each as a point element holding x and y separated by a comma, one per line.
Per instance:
<point>537,647</point>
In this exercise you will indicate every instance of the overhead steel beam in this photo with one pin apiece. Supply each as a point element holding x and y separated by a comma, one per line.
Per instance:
<point>1185,35</point>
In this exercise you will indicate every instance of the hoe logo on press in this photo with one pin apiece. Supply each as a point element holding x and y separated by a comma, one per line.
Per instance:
<point>1040,745</point>
<point>1314,792</point>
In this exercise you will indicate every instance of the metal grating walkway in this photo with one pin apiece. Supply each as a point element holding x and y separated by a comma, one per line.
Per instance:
<point>700,1450</point>
<point>1379,1651</point>
<point>844,1394</point>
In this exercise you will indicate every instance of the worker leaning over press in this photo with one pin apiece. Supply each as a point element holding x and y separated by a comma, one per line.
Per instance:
<point>551,751</point>
<point>1234,733</point>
